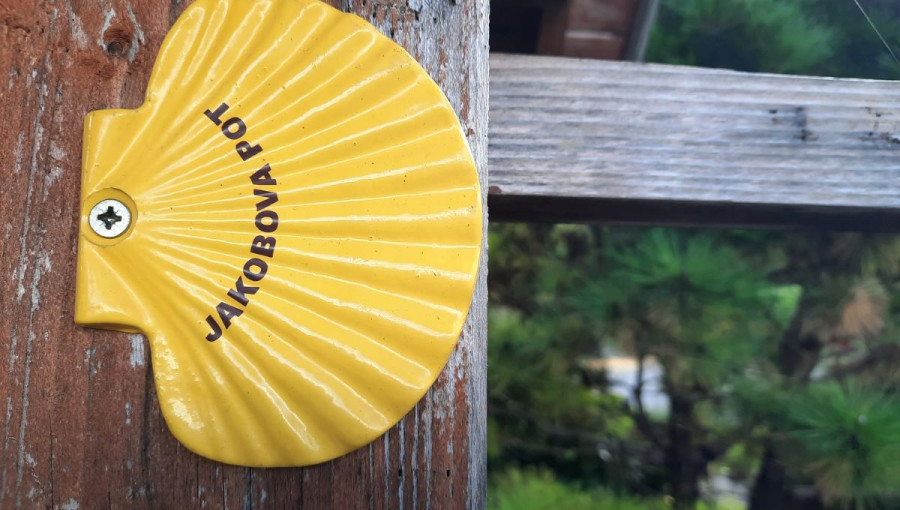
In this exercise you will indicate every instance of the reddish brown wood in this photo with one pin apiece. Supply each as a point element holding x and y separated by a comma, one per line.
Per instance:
<point>81,427</point>
<point>587,28</point>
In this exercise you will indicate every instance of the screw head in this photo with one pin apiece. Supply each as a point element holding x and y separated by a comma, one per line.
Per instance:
<point>109,218</point>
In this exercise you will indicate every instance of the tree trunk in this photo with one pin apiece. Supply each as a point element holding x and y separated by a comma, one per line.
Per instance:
<point>684,463</point>
<point>798,353</point>
<point>770,491</point>
<point>773,489</point>
<point>797,356</point>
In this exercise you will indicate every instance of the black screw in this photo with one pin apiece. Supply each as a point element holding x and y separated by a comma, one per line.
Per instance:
<point>109,218</point>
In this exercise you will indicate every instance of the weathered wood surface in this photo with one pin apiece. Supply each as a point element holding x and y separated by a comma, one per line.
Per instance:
<point>81,427</point>
<point>581,140</point>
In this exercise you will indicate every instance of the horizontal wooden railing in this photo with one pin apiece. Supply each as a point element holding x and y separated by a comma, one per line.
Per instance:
<point>589,140</point>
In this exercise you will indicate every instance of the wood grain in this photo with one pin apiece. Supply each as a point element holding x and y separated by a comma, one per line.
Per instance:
<point>81,426</point>
<point>580,140</point>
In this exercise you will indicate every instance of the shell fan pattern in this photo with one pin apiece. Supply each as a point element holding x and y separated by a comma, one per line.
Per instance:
<point>305,231</point>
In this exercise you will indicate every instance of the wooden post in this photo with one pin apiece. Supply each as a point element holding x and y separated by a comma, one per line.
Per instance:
<point>81,426</point>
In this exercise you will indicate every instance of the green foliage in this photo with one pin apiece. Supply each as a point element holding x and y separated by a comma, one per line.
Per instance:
<point>703,308</point>
<point>696,303</point>
<point>535,372</point>
<point>544,408</point>
<point>818,37</point>
<point>848,437</point>
<point>539,490</point>
<point>750,35</point>
<point>714,309</point>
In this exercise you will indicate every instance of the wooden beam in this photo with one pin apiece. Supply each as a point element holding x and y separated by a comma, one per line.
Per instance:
<point>584,140</point>
<point>80,426</point>
<point>587,28</point>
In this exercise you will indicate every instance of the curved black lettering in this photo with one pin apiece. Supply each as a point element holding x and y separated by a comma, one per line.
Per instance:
<point>258,275</point>
<point>272,226</point>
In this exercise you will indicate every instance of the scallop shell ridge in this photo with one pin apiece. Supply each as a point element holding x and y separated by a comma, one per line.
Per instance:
<point>340,315</point>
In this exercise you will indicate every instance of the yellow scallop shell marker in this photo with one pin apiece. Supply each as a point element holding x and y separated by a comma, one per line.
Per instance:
<point>303,232</point>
